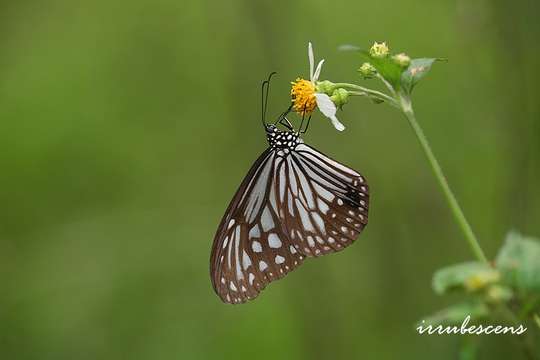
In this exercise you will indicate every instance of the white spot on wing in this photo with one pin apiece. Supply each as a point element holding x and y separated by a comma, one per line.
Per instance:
<point>251,278</point>
<point>232,286</point>
<point>282,180</point>
<point>304,216</point>
<point>255,232</point>
<point>319,221</point>
<point>239,273</point>
<point>256,246</point>
<point>323,207</point>
<point>279,259</point>
<point>231,223</point>
<point>274,241</point>
<point>266,220</point>
<point>322,192</point>
<point>262,265</point>
<point>257,193</point>
<point>246,260</point>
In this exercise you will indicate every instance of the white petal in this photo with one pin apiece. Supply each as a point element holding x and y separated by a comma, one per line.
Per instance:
<point>317,71</point>
<point>339,126</point>
<point>325,105</point>
<point>311,61</point>
<point>328,108</point>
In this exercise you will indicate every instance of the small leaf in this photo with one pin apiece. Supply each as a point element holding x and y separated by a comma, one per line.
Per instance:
<point>456,314</point>
<point>386,67</point>
<point>519,262</point>
<point>537,320</point>
<point>470,276</point>
<point>416,71</point>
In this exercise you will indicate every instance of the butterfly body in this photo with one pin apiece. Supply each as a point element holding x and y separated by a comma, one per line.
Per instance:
<point>282,140</point>
<point>295,202</point>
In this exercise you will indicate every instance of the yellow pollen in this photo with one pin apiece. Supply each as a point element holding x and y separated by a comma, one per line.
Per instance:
<point>303,96</point>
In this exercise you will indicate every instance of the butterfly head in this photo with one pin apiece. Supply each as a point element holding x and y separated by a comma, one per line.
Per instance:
<point>279,139</point>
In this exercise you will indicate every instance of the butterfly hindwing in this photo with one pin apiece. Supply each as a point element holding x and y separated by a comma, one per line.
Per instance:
<point>327,202</point>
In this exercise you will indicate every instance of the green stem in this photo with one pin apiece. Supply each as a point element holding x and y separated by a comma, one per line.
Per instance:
<point>386,83</point>
<point>370,96</point>
<point>407,109</point>
<point>374,93</point>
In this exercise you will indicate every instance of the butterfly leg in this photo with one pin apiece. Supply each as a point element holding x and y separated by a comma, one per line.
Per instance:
<point>287,123</point>
<point>283,117</point>
<point>307,125</point>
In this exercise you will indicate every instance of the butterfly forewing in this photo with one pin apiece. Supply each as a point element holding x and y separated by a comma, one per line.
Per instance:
<point>294,202</point>
<point>251,248</point>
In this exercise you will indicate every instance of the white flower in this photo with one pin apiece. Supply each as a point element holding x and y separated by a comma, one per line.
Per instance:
<point>305,95</point>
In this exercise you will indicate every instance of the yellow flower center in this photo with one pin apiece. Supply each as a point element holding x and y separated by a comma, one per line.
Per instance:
<point>303,96</point>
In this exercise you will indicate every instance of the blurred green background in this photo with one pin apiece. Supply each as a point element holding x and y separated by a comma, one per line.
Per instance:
<point>126,127</point>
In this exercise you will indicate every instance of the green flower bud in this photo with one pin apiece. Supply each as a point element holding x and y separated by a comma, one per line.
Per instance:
<point>379,50</point>
<point>402,60</point>
<point>340,97</point>
<point>367,70</point>
<point>497,294</point>
<point>482,279</point>
<point>326,87</point>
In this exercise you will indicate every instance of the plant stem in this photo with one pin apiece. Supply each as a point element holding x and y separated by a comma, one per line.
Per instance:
<point>373,97</point>
<point>374,93</point>
<point>407,109</point>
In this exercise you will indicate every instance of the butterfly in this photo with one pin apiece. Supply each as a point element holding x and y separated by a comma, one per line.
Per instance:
<point>295,202</point>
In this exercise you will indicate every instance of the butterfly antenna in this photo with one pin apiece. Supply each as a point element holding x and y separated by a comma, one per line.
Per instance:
<point>265,90</point>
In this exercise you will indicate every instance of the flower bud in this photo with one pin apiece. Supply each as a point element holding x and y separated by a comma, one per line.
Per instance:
<point>402,60</point>
<point>482,279</point>
<point>340,97</point>
<point>497,294</point>
<point>379,50</point>
<point>326,87</point>
<point>367,70</point>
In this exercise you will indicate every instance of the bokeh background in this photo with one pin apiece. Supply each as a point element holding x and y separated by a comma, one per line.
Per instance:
<point>126,127</point>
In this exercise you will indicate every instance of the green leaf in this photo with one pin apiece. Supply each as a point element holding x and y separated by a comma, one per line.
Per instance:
<point>386,67</point>
<point>456,314</point>
<point>416,71</point>
<point>469,276</point>
<point>519,262</point>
